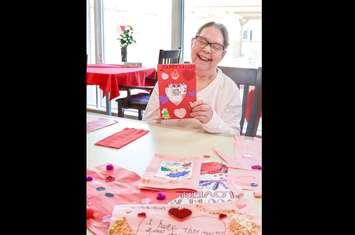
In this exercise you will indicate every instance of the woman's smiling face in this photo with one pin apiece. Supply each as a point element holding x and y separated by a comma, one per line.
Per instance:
<point>206,57</point>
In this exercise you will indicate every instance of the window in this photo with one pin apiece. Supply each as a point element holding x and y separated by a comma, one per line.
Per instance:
<point>245,34</point>
<point>91,91</point>
<point>243,21</point>
<point>151,22</point>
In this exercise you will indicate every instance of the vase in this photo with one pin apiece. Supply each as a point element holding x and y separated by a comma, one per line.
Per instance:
<point>124,54</point>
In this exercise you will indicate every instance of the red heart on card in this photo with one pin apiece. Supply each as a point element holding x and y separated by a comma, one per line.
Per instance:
<point>221,216</point>
<point>179,214</point>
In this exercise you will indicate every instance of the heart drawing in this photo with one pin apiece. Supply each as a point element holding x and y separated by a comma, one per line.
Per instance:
<point>164,76</point>
<point>176,92</point>
<point>180,113</point>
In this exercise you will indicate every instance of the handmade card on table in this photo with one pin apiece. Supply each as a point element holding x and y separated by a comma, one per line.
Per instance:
<point>171,172</point>
<point>122,138</point>
<point>214,187</point>
<point>246,179</point>
<point>93,124</point>
<point>199,219</point>
<point>109,185</point>
<point>247,154</point>
<point>177,87</point>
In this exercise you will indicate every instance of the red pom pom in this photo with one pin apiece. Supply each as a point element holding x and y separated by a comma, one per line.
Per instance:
<point>110,178</point>
<point>221,216</point>
<point>90,213</point>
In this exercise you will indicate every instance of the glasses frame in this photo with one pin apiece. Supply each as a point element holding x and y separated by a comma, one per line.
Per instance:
<point>209,44</point>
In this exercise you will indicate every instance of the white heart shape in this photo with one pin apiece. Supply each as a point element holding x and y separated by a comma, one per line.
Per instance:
<point>176,93</point>
<point>164,76</point>
<point>180,113</point>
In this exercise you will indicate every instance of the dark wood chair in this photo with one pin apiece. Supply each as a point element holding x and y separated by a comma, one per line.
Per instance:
<point>140,100</point>
<point>245,78</point>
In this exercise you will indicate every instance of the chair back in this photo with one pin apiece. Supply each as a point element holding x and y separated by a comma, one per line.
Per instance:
<point>169,56</point>
<point>245,78</point>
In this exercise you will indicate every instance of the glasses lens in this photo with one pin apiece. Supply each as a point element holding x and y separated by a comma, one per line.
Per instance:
<point>216,47</point>
<point>201,41</point>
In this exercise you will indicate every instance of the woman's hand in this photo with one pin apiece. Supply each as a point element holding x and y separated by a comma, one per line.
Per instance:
<point>201,111</point>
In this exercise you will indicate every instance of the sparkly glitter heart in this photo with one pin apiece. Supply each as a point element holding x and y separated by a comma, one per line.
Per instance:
<point>180,214</point>
<point>142,215</point>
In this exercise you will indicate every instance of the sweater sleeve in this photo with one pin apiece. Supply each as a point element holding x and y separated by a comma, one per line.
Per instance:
<point>151,113</point>
<point>228,117</point>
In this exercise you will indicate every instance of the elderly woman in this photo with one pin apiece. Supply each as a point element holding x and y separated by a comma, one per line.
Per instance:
<point>218,106</point>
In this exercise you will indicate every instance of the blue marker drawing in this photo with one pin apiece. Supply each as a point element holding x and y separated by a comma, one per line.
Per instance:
<point>178,174</point>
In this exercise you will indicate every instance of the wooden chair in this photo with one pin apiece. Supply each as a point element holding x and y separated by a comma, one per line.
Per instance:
<point>247,78</point>
<point>140,100</point>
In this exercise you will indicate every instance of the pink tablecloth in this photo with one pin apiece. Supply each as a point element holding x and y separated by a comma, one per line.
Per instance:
<point>110,77</point>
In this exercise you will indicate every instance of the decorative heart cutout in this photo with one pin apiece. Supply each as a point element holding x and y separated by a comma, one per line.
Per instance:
<point>180,113</point>
<point>180,214</point>
<point>175,75</point>
<point>176,92</point>
<point>164,76</point>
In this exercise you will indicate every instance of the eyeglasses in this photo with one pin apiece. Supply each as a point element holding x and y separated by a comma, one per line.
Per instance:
<point>203,42</point>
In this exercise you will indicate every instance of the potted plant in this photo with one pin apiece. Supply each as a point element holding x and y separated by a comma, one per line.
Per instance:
<point>126,39</point>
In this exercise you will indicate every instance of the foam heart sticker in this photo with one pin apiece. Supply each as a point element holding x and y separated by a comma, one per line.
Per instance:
<point>180,113</point>
<point>176,92</point>
<point>164,76</point>
<point>180,214</point>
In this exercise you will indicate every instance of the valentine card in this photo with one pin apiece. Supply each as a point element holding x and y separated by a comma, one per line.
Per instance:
<point>247,154</point>
<point>214,187</point>
<point>93,124</point>
<point>200,219</point>
<point>177,87</point>
<point>172,172</point>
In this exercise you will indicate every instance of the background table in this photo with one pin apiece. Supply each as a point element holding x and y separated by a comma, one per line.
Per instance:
<point>110,77</point>
<point>161,139</point>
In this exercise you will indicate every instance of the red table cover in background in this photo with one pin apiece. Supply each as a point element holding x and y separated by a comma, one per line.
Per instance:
<point>109,77</point>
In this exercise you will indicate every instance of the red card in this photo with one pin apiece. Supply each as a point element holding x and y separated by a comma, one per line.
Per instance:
<point>177,87</point>
<point>99,123</point>
<point>122,138</point>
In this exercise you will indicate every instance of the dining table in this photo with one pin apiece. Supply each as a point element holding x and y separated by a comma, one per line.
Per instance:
<point>160,139</point>
<point>109,77</point>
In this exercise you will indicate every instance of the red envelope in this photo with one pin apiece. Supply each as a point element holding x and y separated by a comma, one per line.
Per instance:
<point>122,138</point>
